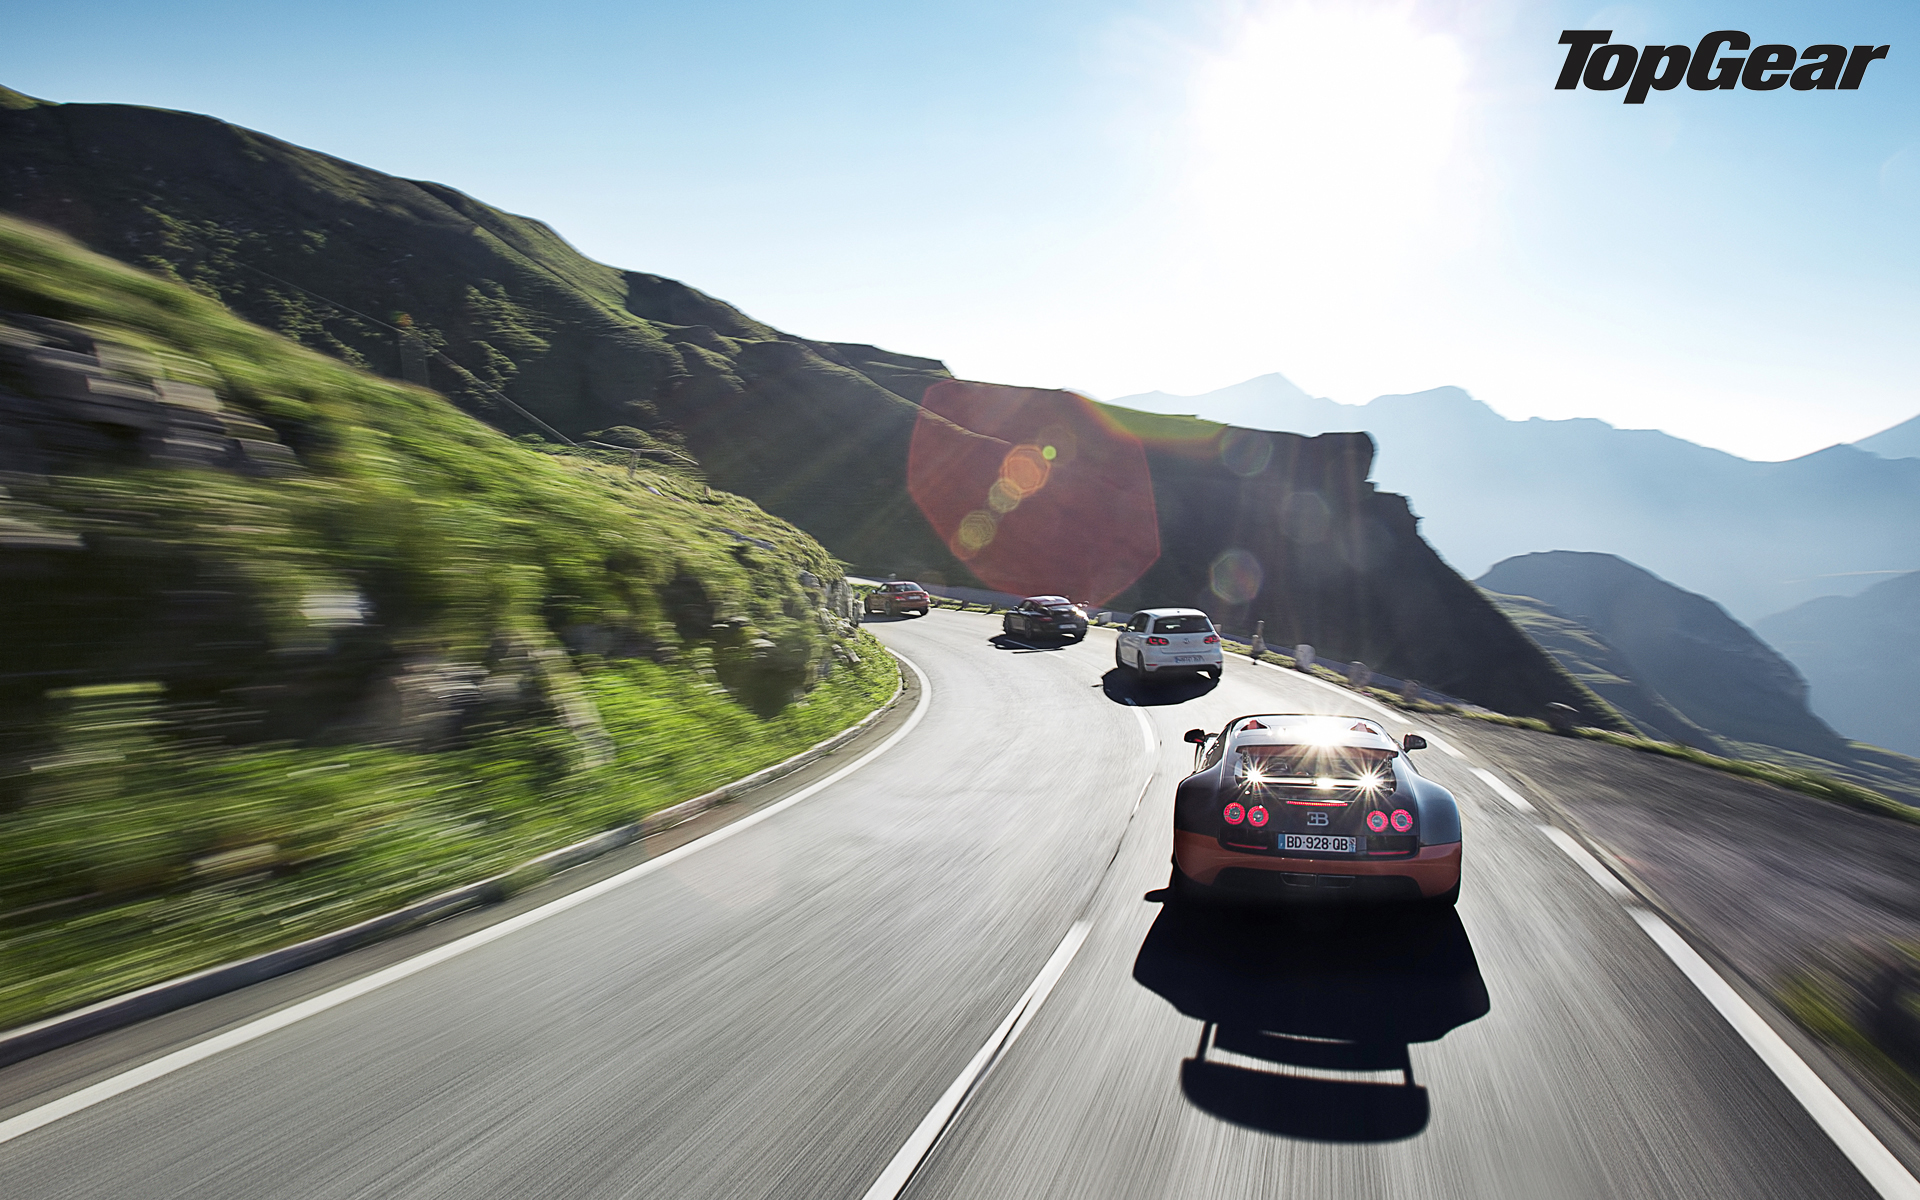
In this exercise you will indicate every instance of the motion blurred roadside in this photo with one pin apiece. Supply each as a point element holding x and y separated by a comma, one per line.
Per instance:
<point>288,645</point>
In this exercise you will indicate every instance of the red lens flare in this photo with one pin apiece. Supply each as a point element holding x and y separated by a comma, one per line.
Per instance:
<point>1257,816</point>
<point>1377,821</point>
<point>1033,489</point>
<point>1235,814</point>
<point>1402,820</point>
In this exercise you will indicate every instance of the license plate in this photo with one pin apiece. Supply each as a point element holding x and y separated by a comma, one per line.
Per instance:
<point>1189,658</point>
<point>1318,841</point>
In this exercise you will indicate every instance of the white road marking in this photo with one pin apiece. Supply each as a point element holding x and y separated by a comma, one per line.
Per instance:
<point>126,1081</point>
<point>920,1143</point>
<point>1443,745</point>
<point>1150,743</point>
<point>1506,793</point>
<point>1870,1157</point>
<point>1882,1170</point>
<point>1608,881</point>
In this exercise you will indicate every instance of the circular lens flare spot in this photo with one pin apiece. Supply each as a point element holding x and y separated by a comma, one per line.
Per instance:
<point>1246,452</point>
<point>976,532</point>
<point>1236,577</point>
<point>1377,821</point>
<point>1402,820</point>
<point>1235,814</point>
<point>1025,470</point>
<point>1257,816</point>
<point>1079,522</point>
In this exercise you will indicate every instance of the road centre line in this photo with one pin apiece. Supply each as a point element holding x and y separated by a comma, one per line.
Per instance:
<point>900,1170</point>
<point>1608,881</point>
<point>126,1081</point>
<point>1499,786</point>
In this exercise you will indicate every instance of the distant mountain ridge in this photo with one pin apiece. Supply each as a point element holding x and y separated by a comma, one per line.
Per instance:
<point>1901,441</point>
<point>1861,657</point>
<point>1757,537</point>
<point>1683,648</point>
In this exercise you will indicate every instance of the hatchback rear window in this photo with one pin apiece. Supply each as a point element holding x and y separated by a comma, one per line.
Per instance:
<point>1193,624</point>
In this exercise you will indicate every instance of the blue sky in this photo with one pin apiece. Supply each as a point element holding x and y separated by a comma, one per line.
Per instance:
<point>1126,196</point>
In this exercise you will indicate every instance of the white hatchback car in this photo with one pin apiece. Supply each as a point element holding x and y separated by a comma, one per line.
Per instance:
<point>1167,641</point>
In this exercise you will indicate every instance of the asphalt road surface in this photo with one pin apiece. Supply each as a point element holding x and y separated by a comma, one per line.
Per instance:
<point>775,1013</point>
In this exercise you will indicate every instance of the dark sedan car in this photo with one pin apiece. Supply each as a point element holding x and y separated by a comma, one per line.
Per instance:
<point>1295,805</point>
<point>900,596</point>
<point>1046,617</point>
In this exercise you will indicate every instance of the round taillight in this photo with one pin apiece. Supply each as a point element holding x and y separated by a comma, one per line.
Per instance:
<point>1402,820</point>
<point>1377,821</point>
<point>1257,816</point>
<point>1235,814</point>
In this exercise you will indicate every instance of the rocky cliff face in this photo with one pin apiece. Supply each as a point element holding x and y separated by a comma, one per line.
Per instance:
<point>1286,530</point>
<point>513,325</point>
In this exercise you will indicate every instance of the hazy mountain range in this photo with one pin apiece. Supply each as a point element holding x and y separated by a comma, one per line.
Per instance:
<point>1680,669</point>
<point>1684,653</point>
<point>1861,655</point>
<point>1901,441</point>
<point>1757,537</point>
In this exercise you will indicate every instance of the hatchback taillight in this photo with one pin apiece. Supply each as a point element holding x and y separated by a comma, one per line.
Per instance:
<point>1210,640</point>
<point>1158,641</point>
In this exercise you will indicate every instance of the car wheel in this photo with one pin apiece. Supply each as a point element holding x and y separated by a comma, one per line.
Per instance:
<point>1213,673</point>
<point>1119,664</point>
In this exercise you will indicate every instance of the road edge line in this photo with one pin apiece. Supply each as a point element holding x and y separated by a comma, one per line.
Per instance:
<point>1882,1170</point>
<point>1878,1166</point>
<point>899,1171</point>
<point>125,1081</point>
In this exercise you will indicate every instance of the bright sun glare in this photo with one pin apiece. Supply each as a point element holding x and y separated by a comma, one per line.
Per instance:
<point>1321,134</point>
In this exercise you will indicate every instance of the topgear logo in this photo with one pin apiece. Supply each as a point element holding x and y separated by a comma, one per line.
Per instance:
<point>1661,68</point>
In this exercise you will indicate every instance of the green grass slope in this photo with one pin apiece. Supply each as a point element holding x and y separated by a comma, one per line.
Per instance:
<point>334,256</point>
<point>361,648</point>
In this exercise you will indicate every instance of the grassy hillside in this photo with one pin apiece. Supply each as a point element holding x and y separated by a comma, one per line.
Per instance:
<point>339,257</point>
<point>289,644</point>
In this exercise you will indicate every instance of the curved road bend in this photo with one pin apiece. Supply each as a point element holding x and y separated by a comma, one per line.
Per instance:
<point>774,1014</point>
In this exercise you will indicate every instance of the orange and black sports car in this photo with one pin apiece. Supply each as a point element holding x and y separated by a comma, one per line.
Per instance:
<point>1298,806</point>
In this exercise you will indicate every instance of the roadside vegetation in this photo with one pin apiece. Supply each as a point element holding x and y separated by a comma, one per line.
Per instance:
<point>364,650</point>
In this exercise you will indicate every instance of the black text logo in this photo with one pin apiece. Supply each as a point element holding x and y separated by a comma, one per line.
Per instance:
<point>1661,68</point>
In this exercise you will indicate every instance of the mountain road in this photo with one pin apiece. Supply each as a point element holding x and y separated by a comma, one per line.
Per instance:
<point>955,972</point>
